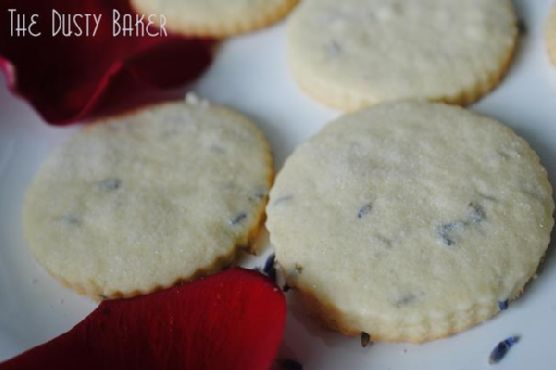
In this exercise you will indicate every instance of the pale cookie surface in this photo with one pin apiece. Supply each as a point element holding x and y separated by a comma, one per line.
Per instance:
<point>353,53</point>
<point>139,202</point>
<point>410,221</point>
<point>551,34</point>
<point>216,18</point>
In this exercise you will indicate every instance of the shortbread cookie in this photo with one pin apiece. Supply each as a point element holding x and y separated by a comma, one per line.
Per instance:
<point>551,34</point>
<point>410,221</point>
<point>352,53</point>
<point>216,18</point>
<point>139,202</point>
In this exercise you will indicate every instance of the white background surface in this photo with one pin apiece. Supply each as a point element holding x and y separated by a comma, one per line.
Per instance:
<point>250,74</point>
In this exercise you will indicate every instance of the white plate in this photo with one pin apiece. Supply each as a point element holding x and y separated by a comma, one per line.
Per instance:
<point>250,74</point>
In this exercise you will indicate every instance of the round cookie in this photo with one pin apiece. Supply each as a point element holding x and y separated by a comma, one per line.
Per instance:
<point>139,202</point>
<point>410,221</point>
<point>216,18</point>
<point>349,54</point>
<point>551,34</point>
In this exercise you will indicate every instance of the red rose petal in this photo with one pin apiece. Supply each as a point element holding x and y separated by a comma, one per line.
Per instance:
<point>230,321</point>
<point>68,78</point>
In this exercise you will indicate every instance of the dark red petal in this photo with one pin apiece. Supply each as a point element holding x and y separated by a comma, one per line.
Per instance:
<point>68,78</point>
<point>230,321</point>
